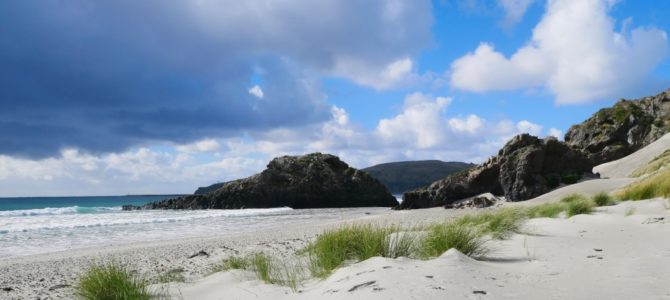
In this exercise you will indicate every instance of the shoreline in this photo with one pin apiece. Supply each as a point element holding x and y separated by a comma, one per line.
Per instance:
<point>52,275</point>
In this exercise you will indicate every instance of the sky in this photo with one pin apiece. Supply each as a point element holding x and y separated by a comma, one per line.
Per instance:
<point>151,97</point>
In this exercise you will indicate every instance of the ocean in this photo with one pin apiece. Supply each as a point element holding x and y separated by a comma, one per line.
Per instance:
<point>40,225</point>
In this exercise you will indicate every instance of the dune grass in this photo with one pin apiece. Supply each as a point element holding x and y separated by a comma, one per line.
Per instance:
<point>287,272</point>
<point>442,237</point>
<point>602,199</point>
<point>545,210</point>
<point>499,224</point>
<point>232,263</point>
<point>653,166</point>
<point>573,198</point>
<point>657,185</point>
<point>578,207</point>
<point>110,282</point>
<point>174,275</point>
<point>357,243</point>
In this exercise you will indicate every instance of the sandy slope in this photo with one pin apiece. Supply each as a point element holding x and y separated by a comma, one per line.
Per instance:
<point>607,255</point>
<point>614,175</point>
<point>623,167</point>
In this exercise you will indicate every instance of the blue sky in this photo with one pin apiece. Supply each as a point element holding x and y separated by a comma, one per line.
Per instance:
<point>143,97</point>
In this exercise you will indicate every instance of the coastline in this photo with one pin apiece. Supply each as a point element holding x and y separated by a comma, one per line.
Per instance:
<point>49,276</point>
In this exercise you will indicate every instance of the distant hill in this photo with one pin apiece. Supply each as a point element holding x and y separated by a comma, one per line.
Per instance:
<point>400,177</point>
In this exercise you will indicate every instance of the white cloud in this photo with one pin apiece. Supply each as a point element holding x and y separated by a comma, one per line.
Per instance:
<point>528,127</point>
<point>575,53</point>
<point>139,171</point>
<point>471,124</point>
<point>256,91</point>
<point>419,124</point>
<point>557,133</point>
<point>514,10</point>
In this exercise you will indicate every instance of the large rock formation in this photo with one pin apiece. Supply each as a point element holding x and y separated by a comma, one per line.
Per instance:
<point>524,168</point>
<point>629,125</point>
<point>310,181</point>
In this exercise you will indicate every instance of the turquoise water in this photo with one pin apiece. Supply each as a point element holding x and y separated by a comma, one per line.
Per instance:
<point>33,203</point>
<point>49,224</point>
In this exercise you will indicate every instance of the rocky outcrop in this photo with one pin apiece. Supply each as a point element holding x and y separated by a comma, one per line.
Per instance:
<point>615,132</point>
<point>524,168</point>
<point>310,181</point>
<point>210,188</point>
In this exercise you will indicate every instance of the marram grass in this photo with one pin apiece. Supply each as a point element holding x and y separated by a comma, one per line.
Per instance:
<point>657,185</point>
<point>334,247</point>
<point>653,166</point>
<point>498,224</point>
<point>578,207</point>
<point>602,199</point>
<point>442,237</point>
<point>545,210</point>
<point>112,281</point>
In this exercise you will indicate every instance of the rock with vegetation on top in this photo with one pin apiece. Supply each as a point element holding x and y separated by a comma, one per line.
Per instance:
<point>612,133</point>
<point>309,181</point>
<point>524,168</point>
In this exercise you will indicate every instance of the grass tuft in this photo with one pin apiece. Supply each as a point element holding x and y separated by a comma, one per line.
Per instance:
<point>573,198</point>
<point>274,271</point>
<point>357,243</point>
<point>653,166</point>
<point>602,199</point>
<point>442,237</point>
<point>110,282</point>
<point>657,185</point>
<point>499,224</point>
<point>578,207</point>
<point>174,275</point>
<point>546,210</point>
<point>260,263</point>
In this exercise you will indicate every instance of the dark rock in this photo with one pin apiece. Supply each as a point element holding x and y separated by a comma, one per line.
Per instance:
<point>362,285</point>
<point>612,133</point>
<point>7,289</point>
<point>210,188</point>
<point>479,292</point>
<point>309,181</point>
<point>481,201</point>
<point>130,207</point>
<point>59,286</point>
<point>200,253</point>
<point>524,168</point>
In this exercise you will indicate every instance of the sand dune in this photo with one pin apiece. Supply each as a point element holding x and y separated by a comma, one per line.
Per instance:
<point>622,168</point>
<point>607,255</point>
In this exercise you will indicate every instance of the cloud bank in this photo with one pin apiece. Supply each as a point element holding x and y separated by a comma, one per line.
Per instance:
<point>575,53</point>
<point>107,76</point>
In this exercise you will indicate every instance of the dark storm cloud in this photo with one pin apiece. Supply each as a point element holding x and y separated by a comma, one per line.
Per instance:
<point>106,75</point>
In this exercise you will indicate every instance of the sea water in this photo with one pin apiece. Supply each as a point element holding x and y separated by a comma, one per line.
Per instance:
<point>50,224</point>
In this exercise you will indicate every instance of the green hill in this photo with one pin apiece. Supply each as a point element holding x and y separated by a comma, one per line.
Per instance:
<point>400,177</point>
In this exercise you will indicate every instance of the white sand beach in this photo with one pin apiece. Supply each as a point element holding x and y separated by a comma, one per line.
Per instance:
<point>607,255</point>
